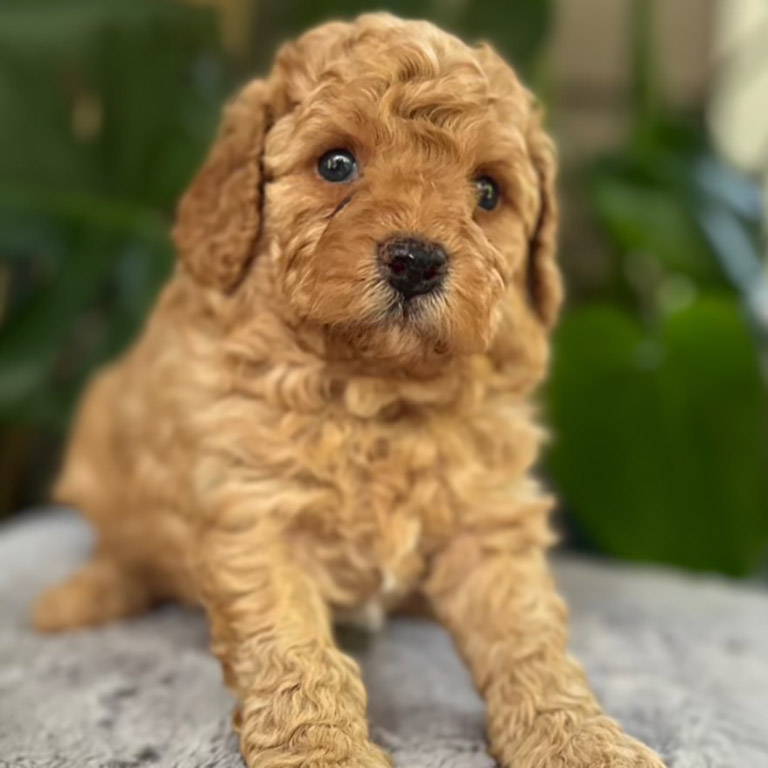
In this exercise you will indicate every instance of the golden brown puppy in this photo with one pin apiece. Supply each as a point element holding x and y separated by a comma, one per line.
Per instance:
<point>328,409</point>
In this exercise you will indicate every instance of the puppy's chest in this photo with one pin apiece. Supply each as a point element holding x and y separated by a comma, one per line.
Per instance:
<point>389,495</point>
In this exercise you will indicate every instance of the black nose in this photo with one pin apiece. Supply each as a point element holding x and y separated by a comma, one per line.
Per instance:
<point>413,267</point>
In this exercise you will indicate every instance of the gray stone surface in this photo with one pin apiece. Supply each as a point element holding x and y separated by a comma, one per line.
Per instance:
<point>682,662</point>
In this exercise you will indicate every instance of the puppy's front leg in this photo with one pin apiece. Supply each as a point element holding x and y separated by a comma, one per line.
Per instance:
<point>508,622</point>
<point>301,702</point>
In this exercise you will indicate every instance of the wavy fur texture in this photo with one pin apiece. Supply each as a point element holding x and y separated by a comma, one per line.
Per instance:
<point>288,442</point>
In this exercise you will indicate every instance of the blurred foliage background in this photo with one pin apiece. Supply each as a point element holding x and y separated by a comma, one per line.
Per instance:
<point>658,393</point>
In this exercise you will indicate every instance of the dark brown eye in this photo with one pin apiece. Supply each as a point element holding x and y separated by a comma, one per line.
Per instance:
<point>337,166</point>
<point>487,192</point>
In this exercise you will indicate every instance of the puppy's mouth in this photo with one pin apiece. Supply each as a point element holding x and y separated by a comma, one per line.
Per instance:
<point>416,308</point>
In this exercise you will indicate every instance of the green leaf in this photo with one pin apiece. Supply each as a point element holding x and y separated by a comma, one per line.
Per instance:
<point>107,107</point>
<point>106,97</point>
<point>32,336</point>
<point>662,437</point>
<point>642,215</point>
<point>87,270</point>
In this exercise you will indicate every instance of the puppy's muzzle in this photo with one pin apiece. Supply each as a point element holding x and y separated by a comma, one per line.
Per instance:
<point>412,267</point>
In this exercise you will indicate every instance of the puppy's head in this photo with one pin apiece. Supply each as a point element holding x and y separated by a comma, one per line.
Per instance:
<point>393,187</point>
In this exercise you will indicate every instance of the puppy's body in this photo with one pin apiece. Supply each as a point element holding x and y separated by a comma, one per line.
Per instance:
<point>368,474</point>
<point>299,434</point>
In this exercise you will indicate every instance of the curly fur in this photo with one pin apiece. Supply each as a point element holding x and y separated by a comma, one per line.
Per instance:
<point>288,443</point>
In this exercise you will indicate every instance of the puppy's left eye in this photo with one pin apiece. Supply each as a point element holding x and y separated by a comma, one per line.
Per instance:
<point>487,192</point>
<point>337,166</point>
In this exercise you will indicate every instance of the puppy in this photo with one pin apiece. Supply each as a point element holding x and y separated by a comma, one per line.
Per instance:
<point>327,411</point>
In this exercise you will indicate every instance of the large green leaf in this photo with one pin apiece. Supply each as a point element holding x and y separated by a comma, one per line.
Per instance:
<point>647,218</point>
<point>106,107</point>
<point>106,96</point>
<point>650,200</point>
<point>662,437</point>
<point>105,263</point>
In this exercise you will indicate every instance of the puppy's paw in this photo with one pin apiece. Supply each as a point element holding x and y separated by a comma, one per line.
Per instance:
<point>332,752</point>
<point>596,743</point>
<point>367,756</point>
<point>96,593</point>
<point>622,753</point>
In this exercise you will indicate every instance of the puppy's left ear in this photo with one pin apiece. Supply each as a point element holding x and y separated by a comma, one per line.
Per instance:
<point>218,218</point>
<point>543,281</point>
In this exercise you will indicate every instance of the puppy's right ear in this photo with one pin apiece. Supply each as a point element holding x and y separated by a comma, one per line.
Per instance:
<point>218,218</point>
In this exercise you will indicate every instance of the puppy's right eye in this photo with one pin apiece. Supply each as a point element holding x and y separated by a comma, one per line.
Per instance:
<point>338,166</point>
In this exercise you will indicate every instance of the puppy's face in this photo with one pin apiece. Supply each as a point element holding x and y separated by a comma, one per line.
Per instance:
<point>406,205</point>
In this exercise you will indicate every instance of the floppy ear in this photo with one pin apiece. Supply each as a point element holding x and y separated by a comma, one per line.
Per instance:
<point>543,280</point>
<point>218,218</point>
